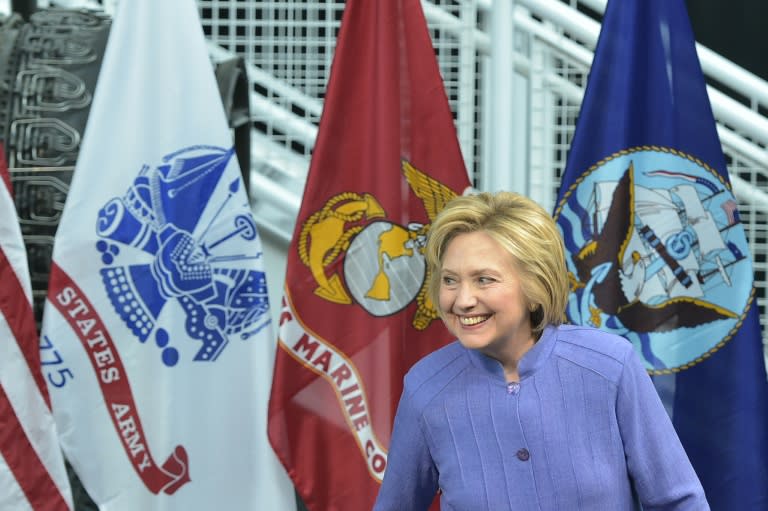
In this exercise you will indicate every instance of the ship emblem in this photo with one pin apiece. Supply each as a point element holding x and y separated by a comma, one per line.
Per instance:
<point>188,237</point>
<point>656,253</point>
<point>357,255</point>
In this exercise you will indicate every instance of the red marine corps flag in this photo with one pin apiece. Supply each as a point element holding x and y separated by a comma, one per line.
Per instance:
<point>355,315</point>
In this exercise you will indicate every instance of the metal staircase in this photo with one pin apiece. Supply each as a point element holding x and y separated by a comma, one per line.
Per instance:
<point>288,47</point>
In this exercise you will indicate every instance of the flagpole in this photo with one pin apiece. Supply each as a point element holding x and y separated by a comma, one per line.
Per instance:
<point>501,171</point>
<point>24,8</point>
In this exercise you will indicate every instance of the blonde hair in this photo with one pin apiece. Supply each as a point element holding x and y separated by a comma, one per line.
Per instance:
<point>525,230</point>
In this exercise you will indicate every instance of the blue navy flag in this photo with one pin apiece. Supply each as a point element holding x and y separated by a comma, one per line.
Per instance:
<point>656,249</point>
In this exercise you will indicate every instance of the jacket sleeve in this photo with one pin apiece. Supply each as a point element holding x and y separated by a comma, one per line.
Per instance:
<point>410,479</point>
<point>657,463</point>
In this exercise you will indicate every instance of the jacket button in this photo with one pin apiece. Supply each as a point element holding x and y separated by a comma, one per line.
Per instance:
<point>523,454</point>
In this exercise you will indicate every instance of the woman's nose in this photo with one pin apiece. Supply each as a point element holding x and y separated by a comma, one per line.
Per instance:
<point>465,296</point>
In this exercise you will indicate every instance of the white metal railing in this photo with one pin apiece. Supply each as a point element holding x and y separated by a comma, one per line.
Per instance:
<point>748,134</point>
<point>717,67</point>
<point>560,42</point>
<point>742,129</point>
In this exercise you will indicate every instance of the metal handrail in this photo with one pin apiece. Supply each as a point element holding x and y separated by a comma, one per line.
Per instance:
<point>742,118</point>
<point>745,120</point>
<point>749,124</point>
<point>716,66</point>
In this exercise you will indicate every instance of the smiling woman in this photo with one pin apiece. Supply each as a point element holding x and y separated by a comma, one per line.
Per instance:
<point>527,239</point>
<point>482,299</point>
<point>522,411</point>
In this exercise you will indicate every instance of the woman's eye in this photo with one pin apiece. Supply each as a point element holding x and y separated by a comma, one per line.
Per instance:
<point>448,281</point>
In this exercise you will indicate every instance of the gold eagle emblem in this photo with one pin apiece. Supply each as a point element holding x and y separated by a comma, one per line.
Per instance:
<point>327,234</point>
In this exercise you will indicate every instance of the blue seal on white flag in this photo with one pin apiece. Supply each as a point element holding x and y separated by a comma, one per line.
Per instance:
<point>180,235</point>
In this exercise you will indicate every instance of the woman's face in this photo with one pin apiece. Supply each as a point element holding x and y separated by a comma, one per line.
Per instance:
<point>481,296</point>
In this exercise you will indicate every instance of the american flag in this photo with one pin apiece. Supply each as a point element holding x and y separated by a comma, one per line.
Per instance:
<point>32,473</point>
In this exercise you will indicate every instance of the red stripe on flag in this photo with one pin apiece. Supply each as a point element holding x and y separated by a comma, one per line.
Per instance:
<point>4,173</point>
<point>21,320</point>
<point>22,459</point>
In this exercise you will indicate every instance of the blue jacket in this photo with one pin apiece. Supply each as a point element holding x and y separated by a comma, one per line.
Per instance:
<point>584,429</point>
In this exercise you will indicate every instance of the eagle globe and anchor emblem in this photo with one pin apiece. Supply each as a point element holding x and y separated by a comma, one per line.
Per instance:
<point>384,269</point>
<point>656,253</point>
<point>189,237</point>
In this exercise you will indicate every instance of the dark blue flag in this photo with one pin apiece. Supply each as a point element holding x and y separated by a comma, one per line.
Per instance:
<point>656,248</point>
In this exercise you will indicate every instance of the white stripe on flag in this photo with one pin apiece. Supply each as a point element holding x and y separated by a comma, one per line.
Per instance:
<point>29,447</point>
